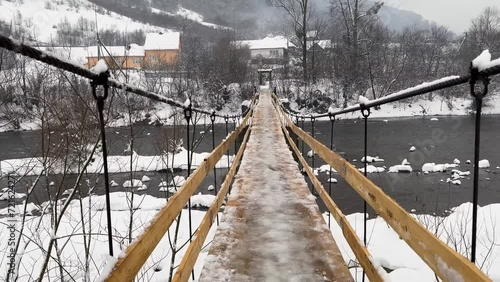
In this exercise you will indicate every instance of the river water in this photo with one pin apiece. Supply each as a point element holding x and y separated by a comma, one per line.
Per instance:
<point>436,141</point>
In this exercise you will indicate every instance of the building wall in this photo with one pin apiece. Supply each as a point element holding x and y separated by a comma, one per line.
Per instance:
<point>268,53</point>
<point>123,62</point>
<point>160,57</point>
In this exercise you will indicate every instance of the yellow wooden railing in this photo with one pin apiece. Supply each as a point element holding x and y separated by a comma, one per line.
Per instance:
<point>136,254</point>
<point>443,260</point>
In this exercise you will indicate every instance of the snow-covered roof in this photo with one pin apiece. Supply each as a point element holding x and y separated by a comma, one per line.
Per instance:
<point>278,42</point>
<point>163,41</point>
<point>324,44</point>
<point>80,54</point>
<point>132,50</point>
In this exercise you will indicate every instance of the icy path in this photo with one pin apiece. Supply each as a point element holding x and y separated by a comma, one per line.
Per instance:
<point>272,228</point>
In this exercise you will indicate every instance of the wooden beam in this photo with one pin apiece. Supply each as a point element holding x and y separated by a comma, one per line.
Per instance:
<point>194,249</point>
<point>443,260</point>
<point>136,254</point>
<point>352,239</point>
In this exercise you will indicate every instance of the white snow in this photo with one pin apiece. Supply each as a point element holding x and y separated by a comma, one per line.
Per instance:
<point>142,188</point>
<point>7,195</point>
<point>363,100</point>
<point>372,169</point>
<point>482,60</point>
<point>100,67</point>
<point>202,200</point>
<point>332,180</point>
<point>372,159</point>
<point>163,41</point>
<point>405,162</point>
<point>400,168</point>
<point>52,183</point>
<point>145,178</point>
<point>468,162</point>
<point>134,183</point>
<point>211,188</point>
<point>113,183</point>
<point>454,181</point>
<point>460,173</point>
<point>187,103</point>
<point>456,161</point>
<point>413,149</point>
<point>326,169</point>
<point>433,167</point>
<point>278,42</point>
<point>434,119</point>
<point>116,164</point>
<point>311,153</point>
<point>484,164</point>
<point>388,250</point>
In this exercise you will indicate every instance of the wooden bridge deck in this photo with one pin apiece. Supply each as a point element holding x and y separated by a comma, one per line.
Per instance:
<point>272,229</point>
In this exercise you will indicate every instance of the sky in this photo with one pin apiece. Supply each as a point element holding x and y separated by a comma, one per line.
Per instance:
<point>454,14</point>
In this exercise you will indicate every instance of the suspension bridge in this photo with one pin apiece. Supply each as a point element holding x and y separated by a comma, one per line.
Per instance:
<point>272,228</point>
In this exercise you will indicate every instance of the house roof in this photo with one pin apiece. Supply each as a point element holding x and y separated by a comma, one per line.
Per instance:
<point>278,42</point>
<point>133,50</point>
<point>163,41</point>
<point>323,44</point>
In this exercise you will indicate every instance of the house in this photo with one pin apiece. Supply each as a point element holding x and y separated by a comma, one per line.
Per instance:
<point>269,47</point>
<point>124,57</point>
<point>162,49</point>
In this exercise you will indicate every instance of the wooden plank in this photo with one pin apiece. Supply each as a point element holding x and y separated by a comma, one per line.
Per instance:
<point>352,239</point>
<point>443,260</point>
<point>136,254</point>
<point>188,261</point>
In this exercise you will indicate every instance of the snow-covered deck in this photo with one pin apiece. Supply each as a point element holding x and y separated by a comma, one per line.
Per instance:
<point>272,229</point>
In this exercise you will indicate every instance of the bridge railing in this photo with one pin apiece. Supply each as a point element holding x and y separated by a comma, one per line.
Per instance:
<point>442,259</point>
<point>348,231</point>
<point>136,254</point>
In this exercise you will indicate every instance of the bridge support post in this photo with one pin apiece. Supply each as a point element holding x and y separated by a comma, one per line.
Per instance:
<point>332,121</point>
<point>100,99</point>
<point>188,113</point>
<point>478,95</point>
<point>366,113</point>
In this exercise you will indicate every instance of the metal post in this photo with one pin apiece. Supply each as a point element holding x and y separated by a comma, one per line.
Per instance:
<point>226,119</point>
<point>188,112</point>
<point>478,95</point>
<point>366,113</point>
<point>332,120</point>
<point>103,80</point>
<point>212,119</point>
<point>235,142</point>
<point>313,120</point>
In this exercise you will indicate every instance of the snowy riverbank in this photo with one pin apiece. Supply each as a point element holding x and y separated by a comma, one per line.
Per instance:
<point>384,244</point>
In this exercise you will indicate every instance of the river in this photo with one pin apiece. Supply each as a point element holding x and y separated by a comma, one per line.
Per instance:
<point>436,141</point>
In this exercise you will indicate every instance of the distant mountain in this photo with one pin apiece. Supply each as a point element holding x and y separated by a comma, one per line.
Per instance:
<point>398,20</point>
<point>44,20</point>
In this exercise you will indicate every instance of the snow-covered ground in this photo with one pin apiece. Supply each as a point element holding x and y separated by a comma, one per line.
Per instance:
<point>42,17</point>
<point>190,15</point>
<point>384,244</point>
<point>392,252</point>
<point>37,232</point>
<point>116,164</point>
